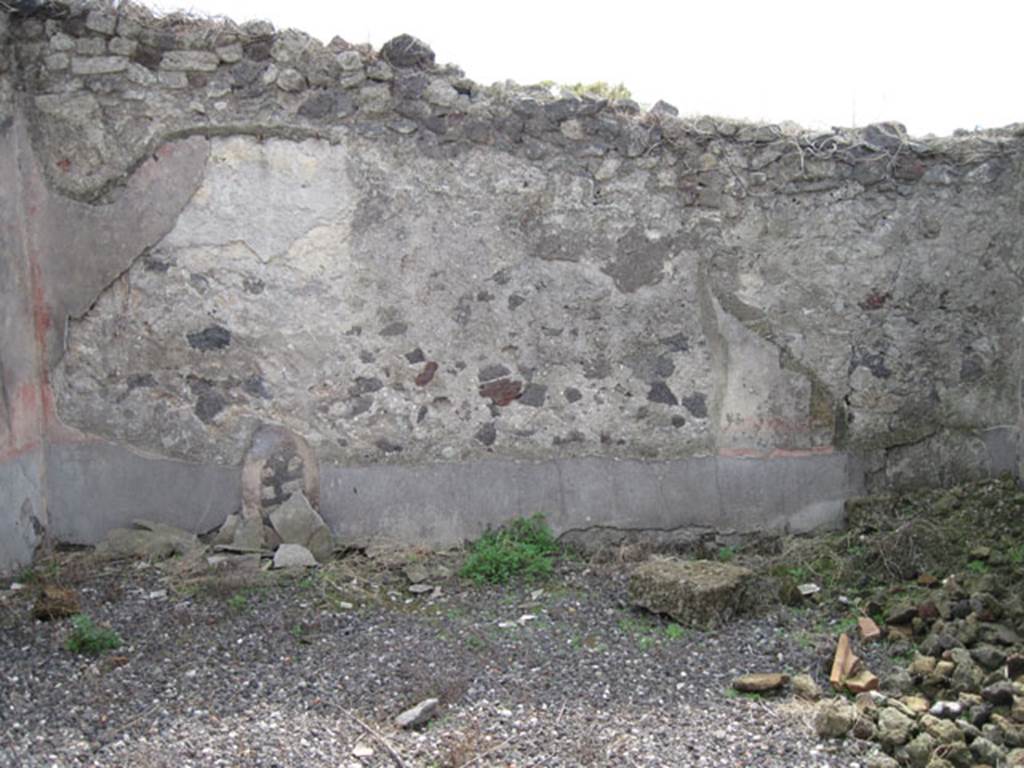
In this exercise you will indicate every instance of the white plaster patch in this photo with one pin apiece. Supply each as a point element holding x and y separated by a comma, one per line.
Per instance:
<point>266,194</point>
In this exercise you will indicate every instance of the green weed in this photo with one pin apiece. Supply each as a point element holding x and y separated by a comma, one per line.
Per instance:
<point>725,554</point>
<point>524,547</point>
<point>1016,554</point>
<point>674,632</point>
<point>977,566</point>
<point>90,639</point>
<point>238,601</point>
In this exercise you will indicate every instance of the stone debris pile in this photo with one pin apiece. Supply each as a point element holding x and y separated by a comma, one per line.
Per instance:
<point>959,701</point>
<point>292,535</point>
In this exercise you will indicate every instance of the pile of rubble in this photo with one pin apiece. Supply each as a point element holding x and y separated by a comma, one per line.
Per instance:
<point>290,535</point>
<point>960,701</point>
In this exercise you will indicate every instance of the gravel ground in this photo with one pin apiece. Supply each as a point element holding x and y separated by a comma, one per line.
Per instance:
<point>284,672</point>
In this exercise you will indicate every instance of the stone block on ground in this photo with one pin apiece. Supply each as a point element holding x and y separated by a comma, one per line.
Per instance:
<point>293,556</point>
<point>226,533</point>
<point>844,663</point>
<point>695,593</point>
<point>418,715</point>
<point>148,539</point>
<point>760,682</point>
<point>868,629</point>
<point>249,536</point>
<point>296,522</point>
<point>834,718</point>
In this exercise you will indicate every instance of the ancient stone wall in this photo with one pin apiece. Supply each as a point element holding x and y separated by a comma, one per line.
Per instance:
<point>474,302</point>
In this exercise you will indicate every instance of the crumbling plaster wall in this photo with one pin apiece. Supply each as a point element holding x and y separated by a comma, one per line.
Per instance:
<point>477,302</point>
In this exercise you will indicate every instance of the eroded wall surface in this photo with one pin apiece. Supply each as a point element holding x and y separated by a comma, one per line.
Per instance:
<point>478,302</point>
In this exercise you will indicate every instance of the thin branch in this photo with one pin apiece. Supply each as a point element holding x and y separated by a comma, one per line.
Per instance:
<point>379,738</point>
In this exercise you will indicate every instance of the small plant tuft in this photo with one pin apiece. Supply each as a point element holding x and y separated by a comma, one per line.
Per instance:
<point>674,632</point>
<point>87,637</point>
<point>524,547</point>
<point>725,554</point>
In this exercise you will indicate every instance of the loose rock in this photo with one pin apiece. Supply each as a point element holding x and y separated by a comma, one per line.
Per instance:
<point>418,715</point>
<point>696,593</point>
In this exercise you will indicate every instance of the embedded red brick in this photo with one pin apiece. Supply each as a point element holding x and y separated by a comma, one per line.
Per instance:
<point>502,391</point>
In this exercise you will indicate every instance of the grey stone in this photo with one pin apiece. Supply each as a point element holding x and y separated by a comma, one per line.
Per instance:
<point>894,728</point>
<point>834,718</point>
<point>350,61</point>
<point>230,54</point>
<point>291,80</point>
<point>293,556</point>
<point>122,46</point>
<point>416,572</point>
<point>98,21</point>
<point>191,61</point>
<point>98,65</point>
<point>298,523</point>
<point>696,593</point>
<point>327,104</point>
<point>919,750</point>
<point>226,533</point>
<point>999,694</point>
<point>664,108</point>
<point>248,534</point>
<point>987,752</point>
<point>149,540</point>
<point>407,51</point>
<point>418,715</point>
<point>988,656</point>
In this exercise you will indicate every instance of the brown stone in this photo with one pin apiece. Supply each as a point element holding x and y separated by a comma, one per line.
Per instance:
<point>927,580</point>
<point>502,392</point>
<point>928,611</point>
<point>869,630</point>
<point>844,664</point>
<point>55,603</point>
<point>760,682</point>
<point>427,374</point>
<point>861,682</point>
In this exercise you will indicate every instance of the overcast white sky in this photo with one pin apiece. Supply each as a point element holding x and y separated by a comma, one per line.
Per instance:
<point>935,66</point>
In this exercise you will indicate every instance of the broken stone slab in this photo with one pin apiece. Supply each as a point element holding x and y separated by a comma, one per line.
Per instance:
<point>760,682</point>
<point>296,522</point>
<point>233,561</point>
<point>869,630</point>
<point>293,556</point>
<point>418,715</point>
<point>695,593</point>
<point>149,540</point>
<point>844,663</point>
<point>249,536</point>
<point>861,682</point>
<point>416,572</point>
<point>226,533</point>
